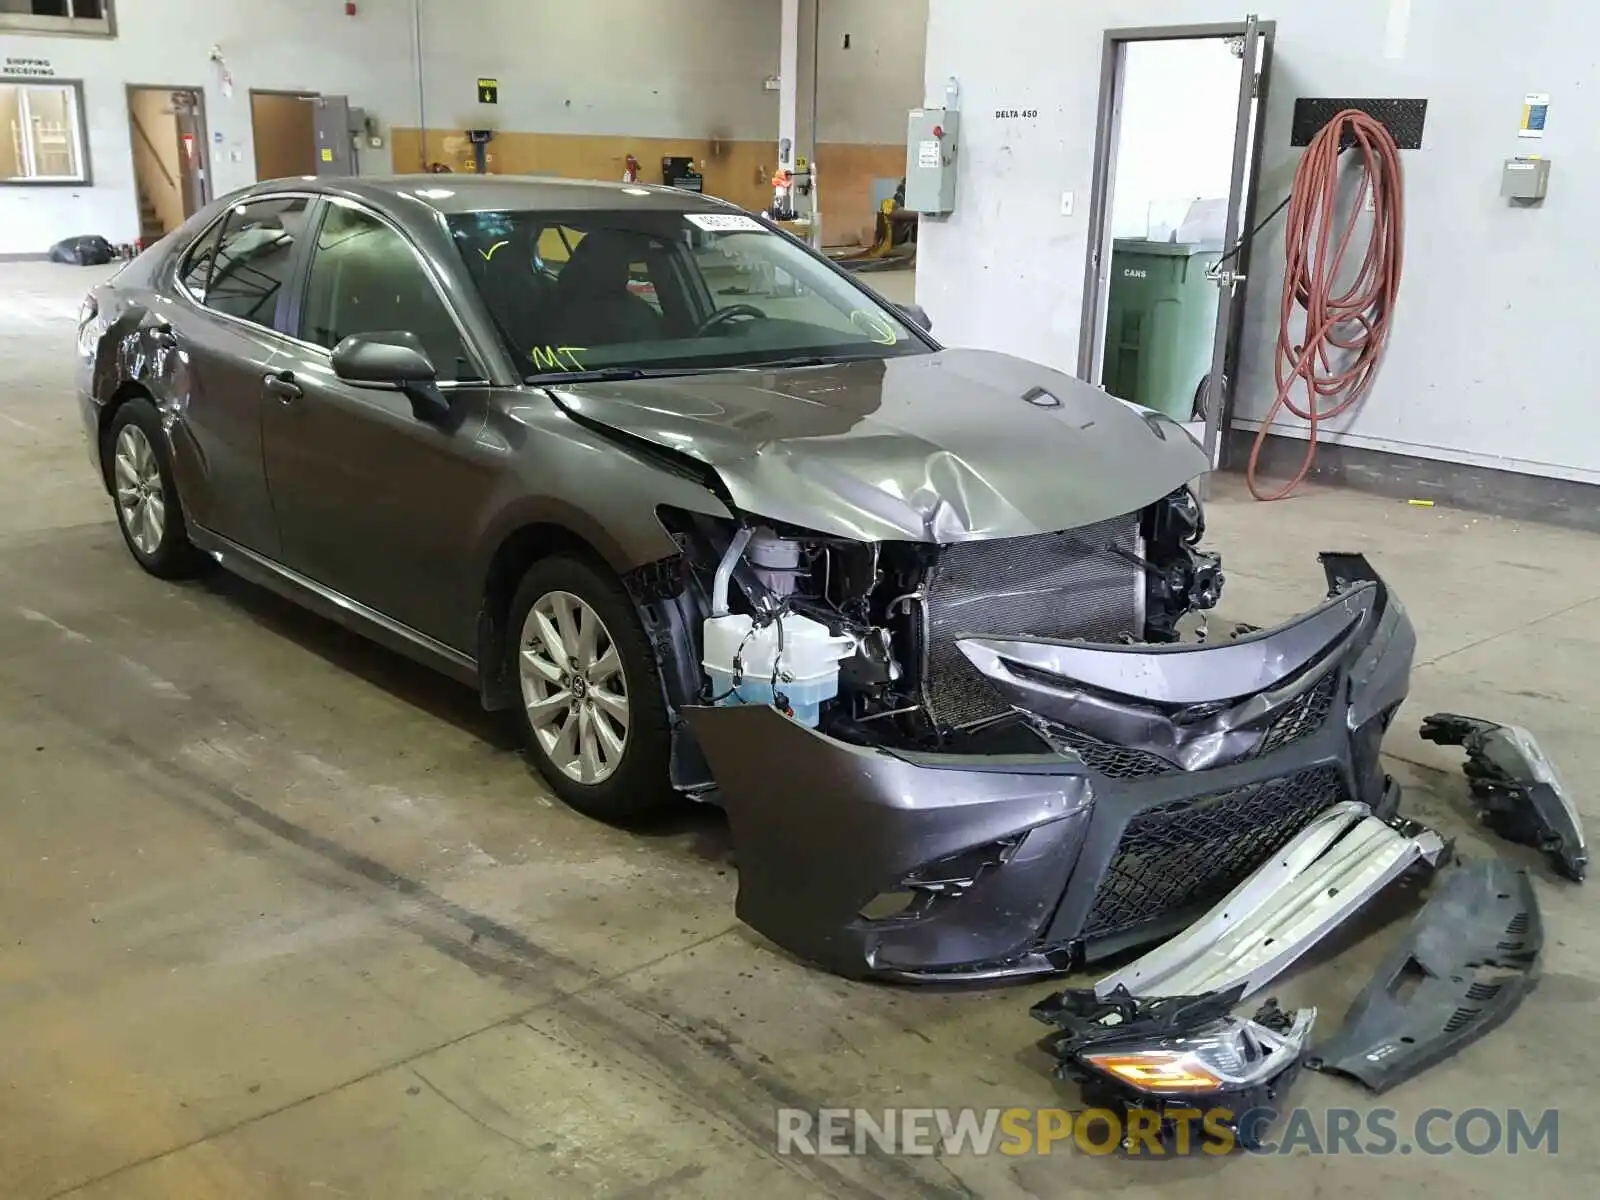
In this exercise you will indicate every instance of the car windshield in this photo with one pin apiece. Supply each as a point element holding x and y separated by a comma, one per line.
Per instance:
<point>615,292</point>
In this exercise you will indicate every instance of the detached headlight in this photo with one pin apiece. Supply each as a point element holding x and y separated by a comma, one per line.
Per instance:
<point>1233,1054</point>
<point>1186,1059</point>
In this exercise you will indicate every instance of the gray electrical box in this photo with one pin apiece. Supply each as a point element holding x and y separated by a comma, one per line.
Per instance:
<point>1525,178</point>
<point>932,145</point>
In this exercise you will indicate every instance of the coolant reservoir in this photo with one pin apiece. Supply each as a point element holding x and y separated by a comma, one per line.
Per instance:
<point>808,666</point>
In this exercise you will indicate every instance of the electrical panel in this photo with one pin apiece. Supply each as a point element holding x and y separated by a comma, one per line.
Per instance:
<point>1525,178</point>
<point>932,148</point>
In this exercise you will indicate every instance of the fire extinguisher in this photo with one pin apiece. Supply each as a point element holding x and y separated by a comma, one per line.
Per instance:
<point>630,173</point>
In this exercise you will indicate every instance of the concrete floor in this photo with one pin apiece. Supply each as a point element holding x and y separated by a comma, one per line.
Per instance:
<point>286,916</point>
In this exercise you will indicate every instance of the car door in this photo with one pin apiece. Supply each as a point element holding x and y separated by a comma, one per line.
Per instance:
<point>372,502</point>
<point>230,288</point>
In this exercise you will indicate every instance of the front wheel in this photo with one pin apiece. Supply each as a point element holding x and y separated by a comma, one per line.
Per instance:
<point>592,710</point>
<point>146,495</point>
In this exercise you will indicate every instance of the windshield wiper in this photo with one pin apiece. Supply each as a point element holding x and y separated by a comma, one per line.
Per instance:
<point>603,375</point>
<point>612,374</point>
<point>779,364</point>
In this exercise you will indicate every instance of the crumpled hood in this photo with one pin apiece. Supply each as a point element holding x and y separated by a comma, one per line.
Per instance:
<point>946,447</point>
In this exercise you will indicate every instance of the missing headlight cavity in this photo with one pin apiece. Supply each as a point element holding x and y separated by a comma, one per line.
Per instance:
<point>858,639</point>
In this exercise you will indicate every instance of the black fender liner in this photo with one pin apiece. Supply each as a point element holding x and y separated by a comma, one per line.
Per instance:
<point>1467,961</point>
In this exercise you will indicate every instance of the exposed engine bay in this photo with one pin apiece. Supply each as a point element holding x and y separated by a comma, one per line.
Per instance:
<point>860,639</point>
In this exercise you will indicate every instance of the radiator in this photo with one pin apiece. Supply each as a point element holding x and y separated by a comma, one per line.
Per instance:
<point>1082,583</point>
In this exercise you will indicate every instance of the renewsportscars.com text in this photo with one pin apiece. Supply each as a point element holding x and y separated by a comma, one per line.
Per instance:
<point>1024,1131</point>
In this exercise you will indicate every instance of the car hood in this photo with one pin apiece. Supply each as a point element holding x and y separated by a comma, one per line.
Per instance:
<point>946,447</point>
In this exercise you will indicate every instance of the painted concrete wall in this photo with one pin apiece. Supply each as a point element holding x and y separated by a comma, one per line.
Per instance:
<point>1493,346</point>
<point>650,68</point>
<point>304,44</point>
<point>683,68</point>
<point>865,91</point>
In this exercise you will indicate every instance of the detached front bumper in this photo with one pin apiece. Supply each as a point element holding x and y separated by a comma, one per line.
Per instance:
<point>1164,776</point>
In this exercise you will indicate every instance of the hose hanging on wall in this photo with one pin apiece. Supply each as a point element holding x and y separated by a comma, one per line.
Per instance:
<point>1345,331</point>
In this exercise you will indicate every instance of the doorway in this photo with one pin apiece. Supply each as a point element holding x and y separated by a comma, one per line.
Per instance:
<point>1176,165</point>
<point>284,127</point>
<point>171,183</point>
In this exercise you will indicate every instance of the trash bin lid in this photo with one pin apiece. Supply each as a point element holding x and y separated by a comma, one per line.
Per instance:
<point>1169,249</point>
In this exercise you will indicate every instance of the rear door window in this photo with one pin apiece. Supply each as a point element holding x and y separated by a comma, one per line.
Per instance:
<point>254,257</point>
<point>195,272</point>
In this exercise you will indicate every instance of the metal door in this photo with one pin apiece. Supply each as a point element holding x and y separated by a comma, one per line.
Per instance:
<point>1254,39</point>
<point>1231,272</point>
<point>335,146</point>
<point>372,502</point>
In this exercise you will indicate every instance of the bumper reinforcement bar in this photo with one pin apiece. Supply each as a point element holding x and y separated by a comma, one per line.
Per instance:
<point>1341,860</point>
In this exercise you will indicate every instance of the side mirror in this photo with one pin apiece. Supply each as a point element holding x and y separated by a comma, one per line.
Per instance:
<point>394,361</point>
<point>917,315</point>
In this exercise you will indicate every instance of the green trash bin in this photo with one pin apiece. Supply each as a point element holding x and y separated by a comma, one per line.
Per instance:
<point>1161,318</point>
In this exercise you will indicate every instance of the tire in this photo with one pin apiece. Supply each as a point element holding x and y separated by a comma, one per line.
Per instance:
<point>573,718</point>
<point>138,468</point>
<point>1201,396</point>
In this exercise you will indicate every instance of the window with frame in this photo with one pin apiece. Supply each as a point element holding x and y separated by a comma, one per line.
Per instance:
<point>41,133</point>
<point>253,257</point>
<point>57,16</point>
<point>195,273</point>
<point>366,279</point>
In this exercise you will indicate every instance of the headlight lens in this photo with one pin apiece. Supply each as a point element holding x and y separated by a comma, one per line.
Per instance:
<point>1230,1054</point>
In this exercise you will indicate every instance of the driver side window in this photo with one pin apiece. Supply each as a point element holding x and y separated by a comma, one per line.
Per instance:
<point>365,278</point>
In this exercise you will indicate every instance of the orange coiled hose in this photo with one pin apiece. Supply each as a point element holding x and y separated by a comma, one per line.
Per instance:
<point>1345,331</point>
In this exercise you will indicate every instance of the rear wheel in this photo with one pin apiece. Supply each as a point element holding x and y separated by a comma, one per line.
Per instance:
<point>592,710</point>
<point>145,494</point>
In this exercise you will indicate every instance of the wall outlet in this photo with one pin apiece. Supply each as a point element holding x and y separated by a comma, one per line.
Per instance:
<point>1066,204</point>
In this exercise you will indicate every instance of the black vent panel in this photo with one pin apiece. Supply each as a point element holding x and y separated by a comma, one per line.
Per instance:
<point>1402,118</point>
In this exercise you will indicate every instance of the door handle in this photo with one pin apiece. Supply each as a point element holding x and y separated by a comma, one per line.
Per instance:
<point>282,385</point>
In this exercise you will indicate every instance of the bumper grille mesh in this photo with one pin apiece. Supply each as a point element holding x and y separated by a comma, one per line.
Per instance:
<point>1114,762</point>
<point>1076,584</point>
<point>1302,718</point>
<point>1192,852</point>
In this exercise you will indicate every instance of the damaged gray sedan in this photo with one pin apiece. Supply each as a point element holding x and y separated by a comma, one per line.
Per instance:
<point>713,520</point>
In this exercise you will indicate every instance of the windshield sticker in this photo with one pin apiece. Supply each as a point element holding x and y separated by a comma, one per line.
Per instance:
<point>875,326</point>
<point>557,358</point>
<point>488,255</point>
<point>725,222</point>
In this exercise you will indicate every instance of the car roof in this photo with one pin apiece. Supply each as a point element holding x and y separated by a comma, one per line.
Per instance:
<point>452,193</point>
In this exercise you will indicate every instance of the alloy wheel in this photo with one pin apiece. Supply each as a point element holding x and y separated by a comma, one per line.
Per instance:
<point>141,499</point>
<point>574,687</point>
